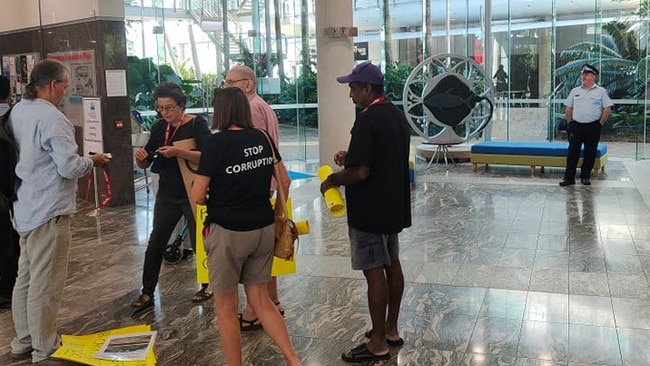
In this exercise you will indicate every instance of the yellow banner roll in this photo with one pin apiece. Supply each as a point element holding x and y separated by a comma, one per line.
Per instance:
<point>333,198</point>
<point>302,227</point>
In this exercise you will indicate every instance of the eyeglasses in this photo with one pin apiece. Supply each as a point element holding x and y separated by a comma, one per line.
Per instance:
<point>166,108</point>
<point>230,82</point>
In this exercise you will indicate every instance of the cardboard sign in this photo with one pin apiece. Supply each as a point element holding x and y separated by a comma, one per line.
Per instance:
<point>187,168</point>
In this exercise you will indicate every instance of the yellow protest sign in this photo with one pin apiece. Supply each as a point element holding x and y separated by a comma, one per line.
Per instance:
<point>279,266</point>
<point>201,255</point>
<point>82,349</point>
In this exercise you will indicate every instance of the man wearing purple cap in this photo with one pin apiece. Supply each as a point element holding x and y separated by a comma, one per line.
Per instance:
<point>376,180</point>
<point>587,109</point>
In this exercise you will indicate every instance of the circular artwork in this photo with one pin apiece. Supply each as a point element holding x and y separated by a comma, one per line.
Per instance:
<point>448,99</point>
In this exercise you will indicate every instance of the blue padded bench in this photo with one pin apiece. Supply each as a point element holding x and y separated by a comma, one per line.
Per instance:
<point>529,153</point>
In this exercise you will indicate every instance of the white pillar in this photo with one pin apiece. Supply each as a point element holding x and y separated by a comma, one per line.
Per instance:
<point>334,57</point>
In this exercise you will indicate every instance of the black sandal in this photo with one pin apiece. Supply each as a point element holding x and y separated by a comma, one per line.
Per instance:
<point>246,325</point>
<point>280,309</point>
<point>390,342</point>
<point>142,303</point>
<point>361,353</point>
<point>202,295</point>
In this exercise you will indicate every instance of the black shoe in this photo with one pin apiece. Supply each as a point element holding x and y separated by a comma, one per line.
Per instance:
<point>565,183</point>
<point>585,181</point>
<point>188,253</point>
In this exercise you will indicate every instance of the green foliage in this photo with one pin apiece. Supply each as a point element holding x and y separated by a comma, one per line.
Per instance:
<point>396,75</point>
<point>301,90</point>
<point>617,75</point>
<point>256,61</point>
<point>622,68</point>
<point>143,76</point>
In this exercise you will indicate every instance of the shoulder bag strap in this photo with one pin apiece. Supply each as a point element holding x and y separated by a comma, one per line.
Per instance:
<point>276,172</point>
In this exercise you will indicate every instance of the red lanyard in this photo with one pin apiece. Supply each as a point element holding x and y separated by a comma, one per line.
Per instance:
<point>376,101</point>
<point>167,138</point>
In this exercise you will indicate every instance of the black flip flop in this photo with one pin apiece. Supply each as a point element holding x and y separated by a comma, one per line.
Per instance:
<point>362,354</point>
<point>141,305</point>
<point>202,295</point>
<point>246,325</point>
<point>391,343</point>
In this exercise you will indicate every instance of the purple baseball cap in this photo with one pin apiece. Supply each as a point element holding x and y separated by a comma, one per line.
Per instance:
<point>363,73</point>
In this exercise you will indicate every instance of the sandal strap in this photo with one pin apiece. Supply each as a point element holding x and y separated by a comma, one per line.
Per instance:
<point>141,301</point>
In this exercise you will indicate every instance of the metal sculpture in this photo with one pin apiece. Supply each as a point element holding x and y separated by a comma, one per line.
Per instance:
<point>448,100</point>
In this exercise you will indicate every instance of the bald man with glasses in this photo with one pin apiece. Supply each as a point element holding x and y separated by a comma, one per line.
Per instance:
<point>262,114</point>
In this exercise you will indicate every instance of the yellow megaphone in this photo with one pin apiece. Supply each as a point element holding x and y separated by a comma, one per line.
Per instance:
<point>302,227</point>
<point>333,198</point>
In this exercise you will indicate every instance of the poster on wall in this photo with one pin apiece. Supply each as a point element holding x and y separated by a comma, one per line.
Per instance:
<point>17,68</point>
<point>81,65</point>
<point>361,51</point>
<point>92,126</point>
<point>5,67</point>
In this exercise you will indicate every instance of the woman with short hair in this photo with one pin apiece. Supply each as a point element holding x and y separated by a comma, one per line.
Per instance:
<point>171,199</point>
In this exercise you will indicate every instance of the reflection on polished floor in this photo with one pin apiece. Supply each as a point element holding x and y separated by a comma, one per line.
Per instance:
<point>502,269</point>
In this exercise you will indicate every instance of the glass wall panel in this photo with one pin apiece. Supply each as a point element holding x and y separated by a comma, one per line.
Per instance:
<point>195,43</point>
<point>540,44</point>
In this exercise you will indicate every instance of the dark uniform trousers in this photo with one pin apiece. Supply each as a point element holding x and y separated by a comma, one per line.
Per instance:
<point>9,253</point>
<point>579,134</point>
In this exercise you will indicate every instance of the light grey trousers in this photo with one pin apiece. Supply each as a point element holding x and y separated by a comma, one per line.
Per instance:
<point>42,269</point>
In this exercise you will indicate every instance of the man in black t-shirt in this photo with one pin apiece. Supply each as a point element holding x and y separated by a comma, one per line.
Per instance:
<point>377,191</point>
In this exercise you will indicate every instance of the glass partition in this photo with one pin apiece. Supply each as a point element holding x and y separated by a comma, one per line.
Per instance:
<point>531,50</point>
<point>196,42</point>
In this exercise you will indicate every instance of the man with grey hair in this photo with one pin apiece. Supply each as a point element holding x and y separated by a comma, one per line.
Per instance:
<point>262,114</point>
<point>48,167</point>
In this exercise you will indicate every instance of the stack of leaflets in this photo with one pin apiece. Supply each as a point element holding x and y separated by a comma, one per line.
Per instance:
<point>127,347</point>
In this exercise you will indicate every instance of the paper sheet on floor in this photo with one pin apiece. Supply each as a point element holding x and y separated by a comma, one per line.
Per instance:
<point>82,349</point>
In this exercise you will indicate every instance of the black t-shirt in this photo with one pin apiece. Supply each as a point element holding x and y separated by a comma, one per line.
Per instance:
<point>380,141</point>
<point>171,181</point>
<point>240,166</point>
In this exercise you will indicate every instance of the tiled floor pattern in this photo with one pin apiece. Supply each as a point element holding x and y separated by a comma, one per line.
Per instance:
<point>502,269</point>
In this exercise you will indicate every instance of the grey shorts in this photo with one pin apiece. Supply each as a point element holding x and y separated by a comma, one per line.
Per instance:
<point>370,250</point>
<point>239,256</point>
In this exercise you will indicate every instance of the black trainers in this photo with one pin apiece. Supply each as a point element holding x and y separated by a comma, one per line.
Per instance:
<point>585,181</point>
<point>565,183</point>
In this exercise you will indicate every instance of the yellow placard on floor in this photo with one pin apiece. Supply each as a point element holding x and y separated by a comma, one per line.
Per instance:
<point>82,349</point>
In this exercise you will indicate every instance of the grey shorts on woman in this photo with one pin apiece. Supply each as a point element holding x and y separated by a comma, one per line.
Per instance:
<point>239,256</point>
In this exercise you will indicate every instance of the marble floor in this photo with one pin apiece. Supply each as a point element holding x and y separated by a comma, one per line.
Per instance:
<point>502,269</point>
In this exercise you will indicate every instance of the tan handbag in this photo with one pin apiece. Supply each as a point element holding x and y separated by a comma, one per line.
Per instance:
<point>286,233</point>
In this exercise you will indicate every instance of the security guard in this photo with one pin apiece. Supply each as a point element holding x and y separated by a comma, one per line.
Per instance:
<point>587,109</point>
